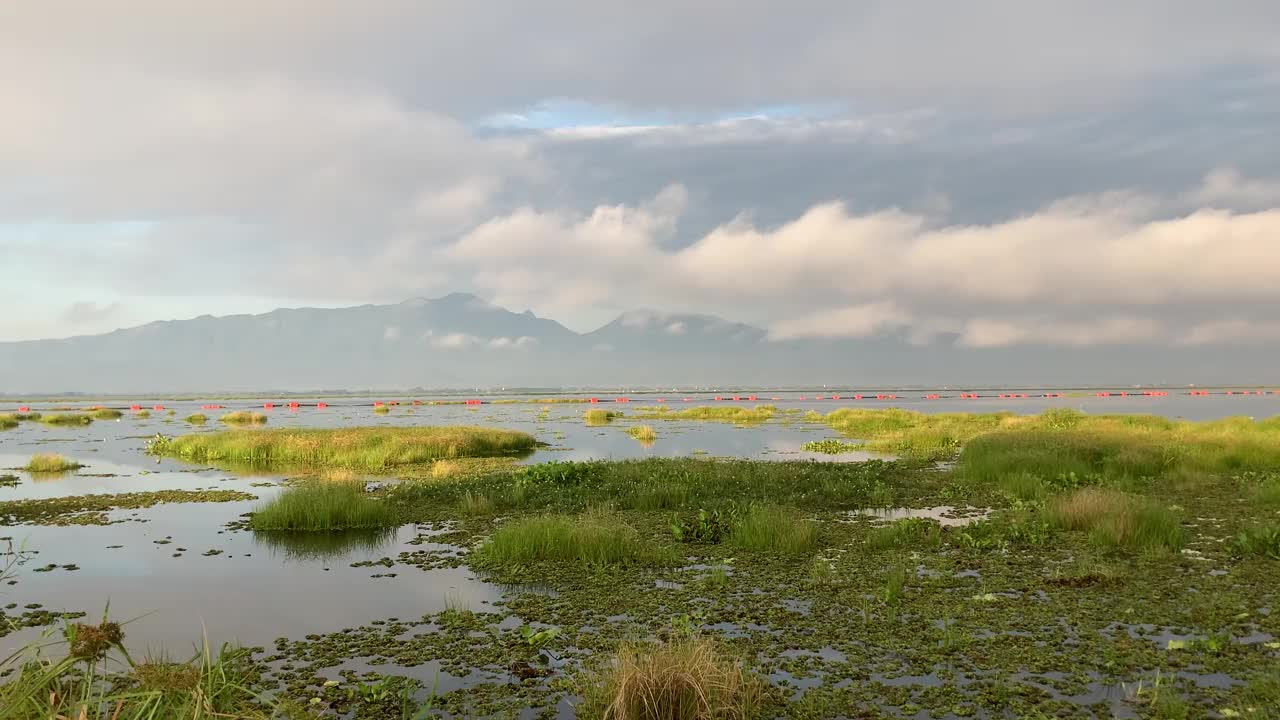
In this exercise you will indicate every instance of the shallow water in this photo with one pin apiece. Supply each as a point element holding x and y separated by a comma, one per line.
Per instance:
<point>253,591</point>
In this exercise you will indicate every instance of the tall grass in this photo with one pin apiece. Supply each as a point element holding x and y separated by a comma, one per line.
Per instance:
<point>8,421</point>
<point>904,533</point>
<point>322,506</point>
<point>366,449</point>
<point>600,417</point>
<point>774,529</point>
<point>106,414</point>
<point>244,417</point>
<point>50,463</point>
<point>66,419</point>
<point>594,538</point>
<point>686,679</point>
<point>643,433</point>
<point>197,419</point>
<point>1261,540</point>
<point>1118,520</point>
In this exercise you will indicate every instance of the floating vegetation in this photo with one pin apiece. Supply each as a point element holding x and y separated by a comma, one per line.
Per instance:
<point>686,679</point>
<point>381,409</point>
<point>50,463</point>
<point>66,419</point>
<point>106,414</point>
<point>8,421</point>
<point>244,417</point>
<point>323,506</point>
<point>594,538</point>
<point>600,417</point>
<point>7,480</point>
<point>724,413</point>
<point>831,447</point>
<point>365,449</point>
<point>143,414</point>
<point>197,419</point>
<point>92,509</point>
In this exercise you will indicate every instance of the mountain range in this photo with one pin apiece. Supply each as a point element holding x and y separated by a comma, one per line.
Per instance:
<point>461,341</point>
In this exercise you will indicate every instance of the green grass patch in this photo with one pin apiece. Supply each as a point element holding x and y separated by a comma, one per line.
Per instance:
<point>244,417</point>
<point>774,529</point>
<point>381,409</point>
<point>908,532</point>
<point>319,506</point>
<point>1118,520</point>
<point>9,421</point>
<point>143,414</point>
<point>600,417</point>
<point>643,433</point>
<point>106,414</point>
<point>366,449</point>
<point>593,538</point>
<point>66,419</point>
<point>723,413</point>
<point>197,419</point>
<point>831,447</point>
<point>1261,540</point>
<point>50,463</point>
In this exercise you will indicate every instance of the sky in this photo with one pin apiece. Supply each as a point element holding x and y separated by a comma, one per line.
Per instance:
<point>1080,173</point>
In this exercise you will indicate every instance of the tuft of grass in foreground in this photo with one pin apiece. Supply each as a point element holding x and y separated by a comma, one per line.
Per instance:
<point>685,679</point>
<point>106,414</point>
<point>365,449</point>
<point>322,506</point>
<point>66,419</point>
<point>600,417</point>
<point>774,529</point>
<point>1118,520</point>
<point>244,417</point>
<point>50,463</point>
<point>643,433</point>
<point>594,538</point>
<point>197,419</point>
<point>725,413</point>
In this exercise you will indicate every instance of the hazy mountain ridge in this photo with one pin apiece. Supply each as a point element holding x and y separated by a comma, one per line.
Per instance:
<point>460,340</point>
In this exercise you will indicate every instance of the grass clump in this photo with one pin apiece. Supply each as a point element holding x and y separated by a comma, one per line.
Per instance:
<point>64,419</point>
<point>1261,540</point>
<point>1117,520</point>
<point>594,538</point>
<point>106,414</point>
<point>50,463</point>
<point>381,409</point>
<point>142,414</point>
<point>8,421</point>
<point>600,417</point>
<point>770,528</point>
<point>322,506</point>
<point>244,417</point>
<point>905,532</point>
<point>197,419</point>
<point>364,449</point>
<point>643,433</point>
<point>685,679</point>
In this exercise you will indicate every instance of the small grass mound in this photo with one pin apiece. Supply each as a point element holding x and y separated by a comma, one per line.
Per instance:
<point>197,419</point>
<point>106,414</point>
<point>774,529</point>
<point>244,417</point>
<point>686,679</point>
<point>8,421</point>
<point>142,414</point>
<point>64,419</point>
<point>381,409</point>
<point>643,433</point>
<point>600,417</point>
<point>1117,520</point>
<point>51,463</point>
<point>363,449</point>
<point>322,506</point>
<point>594,538</point>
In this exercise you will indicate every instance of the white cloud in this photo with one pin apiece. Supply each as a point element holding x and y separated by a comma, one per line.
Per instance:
<point>454,341</point>
<point>677,328</point>
<point>1226,187</point>
<point>991,332</point>
<point>519,343</point>
<point>1230,332</point>
<point>848,322</point>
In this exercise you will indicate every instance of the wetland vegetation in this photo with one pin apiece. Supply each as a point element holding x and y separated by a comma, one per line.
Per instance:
<point>1058,565</point>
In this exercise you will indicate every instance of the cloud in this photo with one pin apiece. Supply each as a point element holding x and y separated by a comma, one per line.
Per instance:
<point>991,332</point>
<point>454,341</point>
<point>518,343</point>
<point>1231,332</point>
<point>849,322</point>
<point>91,313</point>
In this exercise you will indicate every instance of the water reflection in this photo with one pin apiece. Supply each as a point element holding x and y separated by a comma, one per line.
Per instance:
<point>323,546</point>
